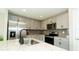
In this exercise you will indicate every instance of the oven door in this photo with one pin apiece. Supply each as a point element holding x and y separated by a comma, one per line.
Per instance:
<point>49,40</point>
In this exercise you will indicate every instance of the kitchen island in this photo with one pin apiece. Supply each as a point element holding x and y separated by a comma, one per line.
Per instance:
<point>13,45</point>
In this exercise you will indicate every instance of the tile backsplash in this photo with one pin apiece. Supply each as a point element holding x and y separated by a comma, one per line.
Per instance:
<point>63,33</point>
<point>60,32</point>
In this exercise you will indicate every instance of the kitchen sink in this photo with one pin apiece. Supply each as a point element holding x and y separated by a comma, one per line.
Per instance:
<point>30,41</point>
<point>34,42</point>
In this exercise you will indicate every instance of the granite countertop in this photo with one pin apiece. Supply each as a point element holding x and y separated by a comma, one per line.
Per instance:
<point>14,45</point>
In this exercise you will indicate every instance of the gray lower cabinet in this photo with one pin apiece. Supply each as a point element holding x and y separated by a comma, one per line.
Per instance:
<point>61,42</point>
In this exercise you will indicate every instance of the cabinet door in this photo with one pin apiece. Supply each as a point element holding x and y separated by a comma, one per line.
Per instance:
<point>62,21</point>
<point>42,38</point>
<point>61,42</point>
<point>56,41</point>
<point>65,20</point>
<point>64,43</point>
<point>59,22</point>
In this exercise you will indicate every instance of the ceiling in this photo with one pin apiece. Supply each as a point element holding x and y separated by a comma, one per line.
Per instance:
<point>37,13</point>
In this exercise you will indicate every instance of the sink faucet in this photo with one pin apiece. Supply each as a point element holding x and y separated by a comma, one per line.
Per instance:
<point>21,39</point>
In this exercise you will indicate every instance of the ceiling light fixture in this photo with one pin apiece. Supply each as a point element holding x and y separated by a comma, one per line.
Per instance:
<point>23,10</point>
<point>41,16</point>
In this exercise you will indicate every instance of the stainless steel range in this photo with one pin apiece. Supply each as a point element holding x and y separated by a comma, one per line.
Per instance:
<point>50,38</point>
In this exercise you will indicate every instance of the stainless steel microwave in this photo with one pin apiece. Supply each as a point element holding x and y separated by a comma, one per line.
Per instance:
<point>51,26</point>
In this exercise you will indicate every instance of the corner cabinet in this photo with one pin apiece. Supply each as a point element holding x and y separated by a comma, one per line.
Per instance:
<point>62,21</point>
<point>61,42</point>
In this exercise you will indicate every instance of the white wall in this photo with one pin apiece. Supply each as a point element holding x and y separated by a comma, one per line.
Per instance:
<point>3,22</point>
<point>74,28</point>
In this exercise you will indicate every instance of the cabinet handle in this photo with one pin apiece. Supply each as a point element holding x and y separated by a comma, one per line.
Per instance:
<point>59,43</point>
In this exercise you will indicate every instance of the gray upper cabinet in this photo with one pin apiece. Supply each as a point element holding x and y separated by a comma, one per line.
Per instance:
<point>62,21</point>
